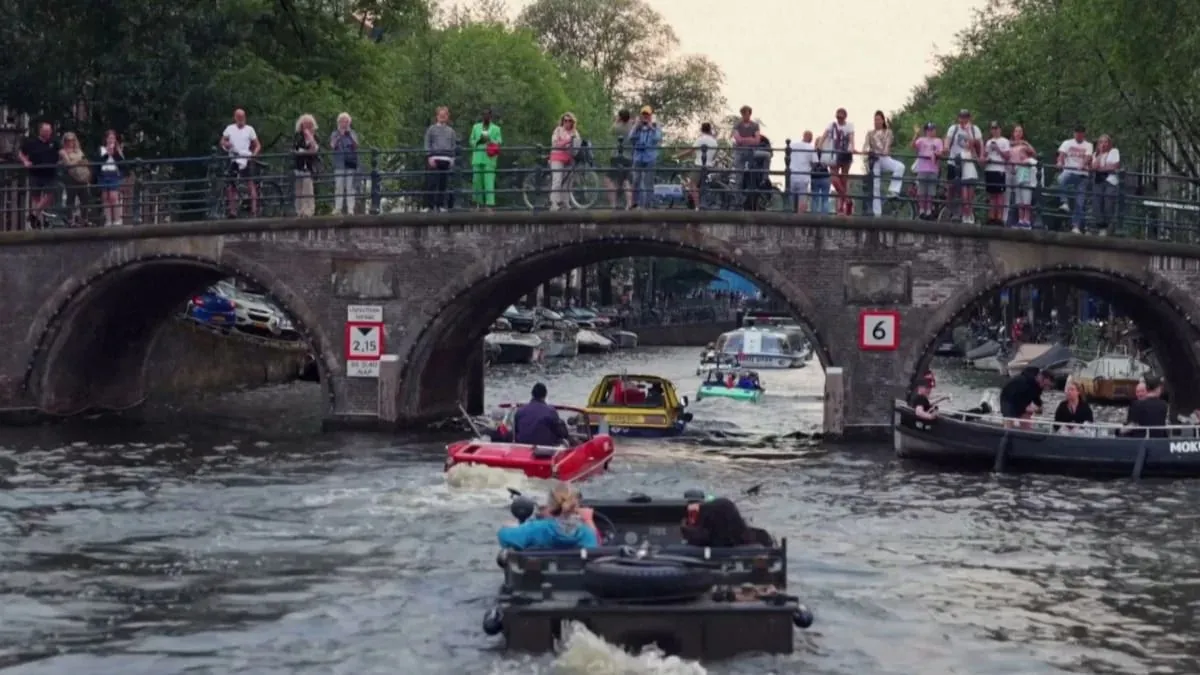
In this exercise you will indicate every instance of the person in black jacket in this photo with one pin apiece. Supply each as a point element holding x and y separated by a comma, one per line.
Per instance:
<point>717,523</point>
<point>1145,414</point>
<point>1023,391</point>
<point>1073,411</point>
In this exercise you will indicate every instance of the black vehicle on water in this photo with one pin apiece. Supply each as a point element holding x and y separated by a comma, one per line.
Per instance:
<point>644,586</point>
<point>979,438</point>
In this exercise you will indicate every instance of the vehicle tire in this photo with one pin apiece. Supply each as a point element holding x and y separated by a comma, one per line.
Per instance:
<point>641,579</point>
<point>585,188</point>
<point>535,190</point>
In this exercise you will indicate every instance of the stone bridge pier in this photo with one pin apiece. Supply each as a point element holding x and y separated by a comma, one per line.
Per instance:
<point>84,306</point>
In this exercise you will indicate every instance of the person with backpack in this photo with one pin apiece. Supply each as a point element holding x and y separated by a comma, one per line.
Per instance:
<point>963,146</point>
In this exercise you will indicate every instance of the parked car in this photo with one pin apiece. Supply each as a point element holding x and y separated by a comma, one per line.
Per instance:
<point>586,318</point>
<point>520,318</point>
<point>212,309</point>
<point>255,313</point>
<point>287,329</point>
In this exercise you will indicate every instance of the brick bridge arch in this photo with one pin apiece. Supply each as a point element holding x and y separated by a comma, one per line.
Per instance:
<point>460,316</point>
<point>94,334</point>
<point>1168,318</point>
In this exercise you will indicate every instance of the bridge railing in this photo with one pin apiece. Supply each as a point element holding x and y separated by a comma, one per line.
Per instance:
<point>1131,204</point>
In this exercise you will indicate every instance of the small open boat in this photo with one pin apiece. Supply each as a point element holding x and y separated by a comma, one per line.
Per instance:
<point>715,385</point>
<point>980,438</point>
<point>587,456</point>
<point>1112,378</point>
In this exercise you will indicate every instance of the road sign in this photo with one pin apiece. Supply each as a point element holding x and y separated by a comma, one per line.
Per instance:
<point>878,330</point>
<point>364,341</point>
<point>364,314</point>
<point>362,369</point>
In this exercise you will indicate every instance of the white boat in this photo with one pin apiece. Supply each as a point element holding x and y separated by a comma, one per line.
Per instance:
<point>1112,377</point>
<point>622,339</point>
<point>559,343</point>
<point>762,349</point>
<point>591,342</point>
<point>1026,354</point>
<point>516,347</point>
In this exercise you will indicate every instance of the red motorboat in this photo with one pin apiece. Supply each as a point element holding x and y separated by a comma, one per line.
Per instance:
<point>587,456</point>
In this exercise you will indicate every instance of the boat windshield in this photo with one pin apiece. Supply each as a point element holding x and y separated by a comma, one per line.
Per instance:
<point>758,343</point>
<point>634,392</point>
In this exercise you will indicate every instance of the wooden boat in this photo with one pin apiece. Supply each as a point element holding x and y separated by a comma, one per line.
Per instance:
<point>980,438</point>
<point>714,386</point>
<point>1110,378</point>
<point>588,456</point>
<point>638,405</point>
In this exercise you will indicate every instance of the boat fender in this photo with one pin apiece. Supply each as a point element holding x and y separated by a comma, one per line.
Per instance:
<point>522,508</point>
<point>493,621</point>
<point>648,578</point>
<point>502,558</point>
<point>707,553</point>
<point>802,617</point>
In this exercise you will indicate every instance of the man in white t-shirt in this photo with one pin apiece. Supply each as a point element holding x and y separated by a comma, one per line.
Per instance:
<point>963,146</point>
<point>800,163</point>
<point>705,152</point>
<point>1074,157</point>
<point>241,142</point>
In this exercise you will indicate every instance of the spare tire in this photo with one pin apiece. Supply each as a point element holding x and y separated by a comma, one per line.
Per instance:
<point>645,579</point>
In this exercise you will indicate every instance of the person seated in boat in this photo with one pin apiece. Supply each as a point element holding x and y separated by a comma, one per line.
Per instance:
<point>755,383</point>
<point>743,381</point>
<point>1021,397</point>
<point>1073,411</point>
<point>538,423</point>
<point>919,401</point>
<point>656,396</point>
<point>1147,417</point>
<point>562,524</point>
<point>616,392</point>
<point>730,380</point>
<point>717,523</point>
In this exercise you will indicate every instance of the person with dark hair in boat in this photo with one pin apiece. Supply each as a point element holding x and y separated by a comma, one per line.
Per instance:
<point>717,523</point>
<point>1073,411</point>
<point>1147,416</point>
<point>919,401</point>
<point>1021,397</point>
<point>562,524</point>
<point>538,423</point>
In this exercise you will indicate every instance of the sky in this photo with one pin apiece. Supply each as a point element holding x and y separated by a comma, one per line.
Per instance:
<point>804,59</point>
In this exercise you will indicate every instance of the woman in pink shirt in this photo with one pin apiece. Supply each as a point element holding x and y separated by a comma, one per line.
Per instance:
<point>928,148</point>
<point>562,153</point>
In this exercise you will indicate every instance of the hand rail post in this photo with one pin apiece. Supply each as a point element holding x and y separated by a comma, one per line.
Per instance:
<point>376,188</point>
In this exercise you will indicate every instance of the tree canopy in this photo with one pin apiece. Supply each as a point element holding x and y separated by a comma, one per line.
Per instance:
<point>1122,67</point>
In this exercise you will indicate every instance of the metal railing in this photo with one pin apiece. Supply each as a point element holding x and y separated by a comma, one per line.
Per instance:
<point>176,190</point>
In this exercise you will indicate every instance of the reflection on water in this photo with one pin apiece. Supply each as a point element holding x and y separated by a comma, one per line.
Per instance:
<point>232,541</point>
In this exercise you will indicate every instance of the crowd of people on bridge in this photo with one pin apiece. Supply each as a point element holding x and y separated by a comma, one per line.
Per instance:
<point>949,168</point>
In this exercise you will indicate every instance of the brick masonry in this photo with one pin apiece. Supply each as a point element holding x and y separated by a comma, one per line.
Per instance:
<point>83,305</point>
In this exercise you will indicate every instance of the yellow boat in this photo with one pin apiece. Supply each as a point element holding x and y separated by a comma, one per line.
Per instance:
<point>638,405</point>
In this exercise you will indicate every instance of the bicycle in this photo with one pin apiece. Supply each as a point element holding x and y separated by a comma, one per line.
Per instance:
<point>720,191</point>
<point>270,193</point>
<point>580,180</point>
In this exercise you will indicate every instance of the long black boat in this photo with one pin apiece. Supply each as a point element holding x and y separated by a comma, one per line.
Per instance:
<point>974,440</point>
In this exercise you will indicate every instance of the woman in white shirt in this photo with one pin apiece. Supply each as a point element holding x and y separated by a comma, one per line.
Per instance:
<point>1106,165</point>
<point>705,151</point>
<point>879,155</point>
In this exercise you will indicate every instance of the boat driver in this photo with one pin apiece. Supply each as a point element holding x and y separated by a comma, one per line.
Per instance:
<point>538,423</point>
<point>919,401</point>
<point>1148,412</point>
<point>1021,397</point>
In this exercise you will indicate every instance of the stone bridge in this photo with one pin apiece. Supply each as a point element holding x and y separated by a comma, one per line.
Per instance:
<point>83,307</point>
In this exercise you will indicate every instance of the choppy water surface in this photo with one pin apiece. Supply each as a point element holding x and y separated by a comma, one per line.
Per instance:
<point>231,538</point>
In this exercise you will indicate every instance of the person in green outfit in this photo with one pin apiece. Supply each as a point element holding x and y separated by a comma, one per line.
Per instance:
<point>485,145</point>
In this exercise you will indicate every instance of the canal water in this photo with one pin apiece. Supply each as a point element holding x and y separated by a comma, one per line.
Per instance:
<point>228,536</point>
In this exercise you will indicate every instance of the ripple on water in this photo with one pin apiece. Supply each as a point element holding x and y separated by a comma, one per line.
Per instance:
<point>221,542</point>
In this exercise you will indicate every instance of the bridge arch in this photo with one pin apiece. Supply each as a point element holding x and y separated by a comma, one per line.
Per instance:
<point>95,333</point>
<point>1169,319</point>
<point>460,316</point>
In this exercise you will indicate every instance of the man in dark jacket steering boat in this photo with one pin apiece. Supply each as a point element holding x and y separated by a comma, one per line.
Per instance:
<point>538,423</point>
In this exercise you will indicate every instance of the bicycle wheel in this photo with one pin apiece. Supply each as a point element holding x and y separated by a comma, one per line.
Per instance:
<point>270,199</point>
<point>535,190</point>
<point>900,207</point>
<point>585,188</point>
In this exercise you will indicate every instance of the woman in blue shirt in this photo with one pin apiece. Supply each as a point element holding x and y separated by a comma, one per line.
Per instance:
<point>564,525</point>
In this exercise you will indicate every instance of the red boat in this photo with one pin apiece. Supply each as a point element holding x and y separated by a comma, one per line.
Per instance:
<point>587,456</point>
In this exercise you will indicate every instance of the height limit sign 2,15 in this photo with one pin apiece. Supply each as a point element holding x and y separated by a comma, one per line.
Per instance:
<point>878,330</point>
<point>364,346</point>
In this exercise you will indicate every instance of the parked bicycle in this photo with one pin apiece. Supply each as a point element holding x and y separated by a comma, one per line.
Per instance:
<point>580,180</point>
<point>270,192</point>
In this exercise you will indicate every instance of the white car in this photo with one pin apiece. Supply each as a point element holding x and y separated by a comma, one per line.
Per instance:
<point>255,313</point>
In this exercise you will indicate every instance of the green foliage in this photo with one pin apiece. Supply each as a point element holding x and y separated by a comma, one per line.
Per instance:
<point>1122,67</point>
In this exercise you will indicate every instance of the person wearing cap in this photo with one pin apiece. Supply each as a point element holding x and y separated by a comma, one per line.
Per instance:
<point>563,142</point>
<point>1074,158</point>
<point>995,173</point>
<point>1021,397</point>
<point>485,143</point>
<point>645,138</point>
<point>1147,417</point>
<point>919,401</point>
<point>538,423</point>
<point>963,146</point>
<point>928,148</point>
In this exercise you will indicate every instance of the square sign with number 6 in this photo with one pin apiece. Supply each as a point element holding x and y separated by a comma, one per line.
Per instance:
<point>878,330</point>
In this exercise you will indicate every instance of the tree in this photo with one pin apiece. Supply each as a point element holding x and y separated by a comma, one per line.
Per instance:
<point>628,46</point>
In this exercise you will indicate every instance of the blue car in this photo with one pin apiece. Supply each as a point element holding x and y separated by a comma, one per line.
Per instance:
<point>213,309</point>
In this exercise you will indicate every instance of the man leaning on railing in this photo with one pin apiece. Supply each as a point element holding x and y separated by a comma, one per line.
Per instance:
<point>39,154</point>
